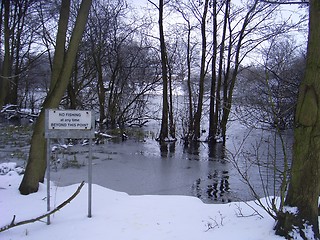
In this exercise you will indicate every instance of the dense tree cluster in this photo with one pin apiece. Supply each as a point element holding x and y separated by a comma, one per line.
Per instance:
<point>120,61</point>
<point>112,57</point>
<point>266,94</point>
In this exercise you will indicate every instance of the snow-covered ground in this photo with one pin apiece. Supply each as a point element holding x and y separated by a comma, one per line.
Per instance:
<point>117,215</point>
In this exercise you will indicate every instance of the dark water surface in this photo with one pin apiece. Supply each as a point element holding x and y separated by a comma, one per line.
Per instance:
<point>207,172</point>
<point>146,168</point>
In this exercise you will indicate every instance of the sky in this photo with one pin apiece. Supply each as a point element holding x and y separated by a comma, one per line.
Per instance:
<point>291,14</point>
<point>117,215</point>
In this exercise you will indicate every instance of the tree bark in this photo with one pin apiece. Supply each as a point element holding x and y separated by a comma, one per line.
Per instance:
<point>218,104</point>
<point>59,53</point>
<point>101,93</point>
<point>172,128</point>
<point>212,122</point>
<point>198,114</point>
<point>165,103</point>
<point>303,192</point>
<point>230,83</point>
<point>190,101</point>
<point>4,78</point>
<point>35,170</point>
<point>72,97</point>
<point>20,12</point>
<point>189,132</point>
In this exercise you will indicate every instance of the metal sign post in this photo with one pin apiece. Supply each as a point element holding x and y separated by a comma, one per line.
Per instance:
<point>69,124</point>
<point>48,179</point>
<point>90,180</point>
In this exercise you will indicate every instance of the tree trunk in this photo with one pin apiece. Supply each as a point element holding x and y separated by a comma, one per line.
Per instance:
<point>227,82</point>
<point>113,95</point>
<point>16,38</point>
<point>72,88</point>
<point>218,105</point>
<point>59,53</point>
<point>165,103</point>
<point>4,78</point>
<point>198,114</point>
<point>36,166</point>
<point>72,97</point>
<point>190,102</point>
<point>303,192</point>
<point>172,129</point>
<point>212,123</point>
<point>101,94</point>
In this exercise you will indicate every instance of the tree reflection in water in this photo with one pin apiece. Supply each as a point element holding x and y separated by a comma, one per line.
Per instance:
<point>167,149</point>
<point>216,186</point>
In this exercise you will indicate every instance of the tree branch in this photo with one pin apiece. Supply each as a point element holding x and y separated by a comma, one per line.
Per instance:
<point>281,2</point>
<point>13,224</point>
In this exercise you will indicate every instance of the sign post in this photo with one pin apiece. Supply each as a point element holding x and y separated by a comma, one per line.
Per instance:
<point>69,124</point>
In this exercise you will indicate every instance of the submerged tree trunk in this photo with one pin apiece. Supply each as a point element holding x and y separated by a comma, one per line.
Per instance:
<point>230,79</point>
<point>198,114</point>
<point>190,102</point>
<point>216,125</point>
<point>35,170</point>
<point>189,123</point>
<point>172,129</point>
<point>303,192</point>
<point>165,103</point>
<point>212,122</point>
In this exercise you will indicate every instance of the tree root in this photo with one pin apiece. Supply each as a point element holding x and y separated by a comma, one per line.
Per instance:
<point>13,224</point>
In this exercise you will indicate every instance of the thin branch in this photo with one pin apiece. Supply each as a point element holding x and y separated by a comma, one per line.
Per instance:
<point>153,4</point>
<point>286,2</point>
<point>13,224</point>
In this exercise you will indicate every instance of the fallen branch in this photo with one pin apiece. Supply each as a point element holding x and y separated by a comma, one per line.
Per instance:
<point>13,224</point>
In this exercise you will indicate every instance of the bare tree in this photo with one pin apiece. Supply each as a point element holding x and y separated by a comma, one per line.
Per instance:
<point>167,129</point>
<point>20,35</point>
<point>198,113</point>
<point>268,93</point>
<point>195,15</point>
<point>243,31</point>
<point>187,60</point>
<point>62,70</point>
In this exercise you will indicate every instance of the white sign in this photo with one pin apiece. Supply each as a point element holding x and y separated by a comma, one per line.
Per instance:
<point>69,124</point>
<point>69,119</point>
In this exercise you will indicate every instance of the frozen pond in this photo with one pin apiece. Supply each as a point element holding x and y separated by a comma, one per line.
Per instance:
<point>141,168</point>
<point>145,168</point>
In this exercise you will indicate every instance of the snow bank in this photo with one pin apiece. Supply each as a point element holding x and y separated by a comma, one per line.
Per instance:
<point>10,168</point>
<point>117,215</point>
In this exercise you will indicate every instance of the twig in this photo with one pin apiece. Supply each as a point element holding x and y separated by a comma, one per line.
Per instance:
<point>255,212</point>
<point>13,224</point>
